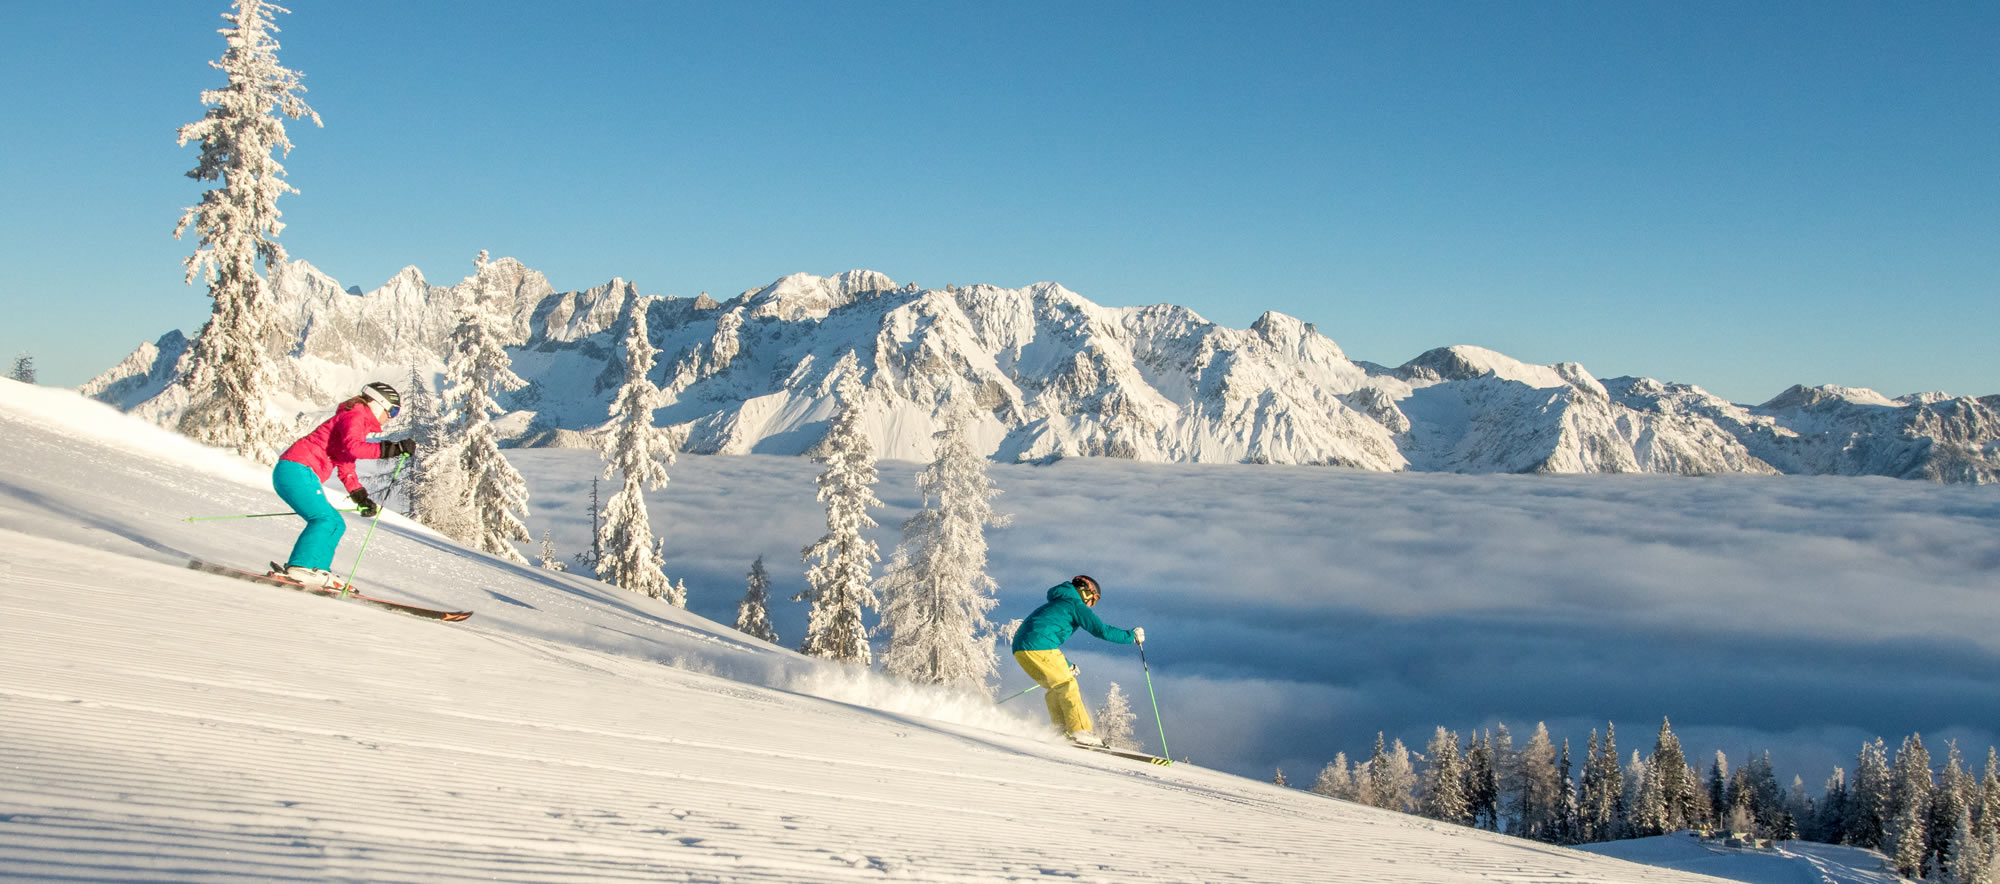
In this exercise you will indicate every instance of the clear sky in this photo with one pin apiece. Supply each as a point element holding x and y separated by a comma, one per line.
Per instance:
<point>1737,195</point>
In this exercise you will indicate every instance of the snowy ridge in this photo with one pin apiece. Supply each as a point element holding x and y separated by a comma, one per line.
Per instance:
<point>569,732</point>
<point>1055,375</point>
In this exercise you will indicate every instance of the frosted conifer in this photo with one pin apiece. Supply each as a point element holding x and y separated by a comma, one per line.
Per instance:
<point>935,597</point>
<point>1904,838</point>
<point>1951,797</point>
<point>752,615</point>
<point>1335,780</point>
<point>1567,811</point>
<point>1397,783</point>
<point>1646,803</point>
<point>1535,801</point>
<point>1718,788</point>
<point>1482,783</point>
<point>1602,799</point>
<point>592,557</point>
<point>1676,787</point>
<point>1868,801</point>
<point>476,370</point>
<point>1114,720</point>
<point>1830,817</point>
<point>229,368</point>
<point>24,369</point>
<point>837,585</point>
<point>640,452</point>
<point>549,560</point>
<point>1444,781</point>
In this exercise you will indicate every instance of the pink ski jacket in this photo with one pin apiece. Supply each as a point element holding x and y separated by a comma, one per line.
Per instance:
<point>338,443</point>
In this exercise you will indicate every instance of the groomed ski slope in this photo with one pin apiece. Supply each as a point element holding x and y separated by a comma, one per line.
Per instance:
<point>162,724</point>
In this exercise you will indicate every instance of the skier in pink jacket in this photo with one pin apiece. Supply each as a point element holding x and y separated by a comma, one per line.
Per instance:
<point>330,448</point>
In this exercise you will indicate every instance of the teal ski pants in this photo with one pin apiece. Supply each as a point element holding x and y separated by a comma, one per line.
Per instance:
<point>297,486</point>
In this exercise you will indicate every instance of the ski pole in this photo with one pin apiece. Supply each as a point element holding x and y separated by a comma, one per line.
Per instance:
<point>250,516</point>
<point>1016,694</point>
<point>1164,753</point>
<point>349,585</point>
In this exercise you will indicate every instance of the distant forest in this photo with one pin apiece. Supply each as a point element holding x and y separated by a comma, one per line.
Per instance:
<point>1933,822</point>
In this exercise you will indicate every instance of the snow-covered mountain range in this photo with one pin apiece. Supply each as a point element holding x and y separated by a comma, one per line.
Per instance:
<point>1052,374</point>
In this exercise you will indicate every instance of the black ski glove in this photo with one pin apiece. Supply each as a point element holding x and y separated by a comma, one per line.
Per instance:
<point>360,498</point>
<point>399,448</point>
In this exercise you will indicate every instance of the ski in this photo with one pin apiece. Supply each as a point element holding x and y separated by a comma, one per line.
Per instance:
<point>286,583</point>
<point>1123,753</point>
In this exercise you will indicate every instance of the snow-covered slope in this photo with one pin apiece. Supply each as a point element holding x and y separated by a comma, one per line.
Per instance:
<point>1056,375</point>
<point>1786,862</point>
<point>162,724</point>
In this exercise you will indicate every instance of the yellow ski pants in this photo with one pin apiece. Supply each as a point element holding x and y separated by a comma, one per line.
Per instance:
<point>1050,669</point>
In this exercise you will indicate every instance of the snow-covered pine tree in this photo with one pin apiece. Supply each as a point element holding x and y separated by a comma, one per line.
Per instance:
<point>837,585</point>
<point>1335,780</point>
<point>1482,783</point>
<point>935,598</point>
<point>594,556</point>
<point>24,369</point>
<point>1536,800</point>
<point>1634,823</point>
<point>1443,784</point>
<point>1115,720</point>
<point>1829,822</point>
<point>549,560</point>
<point>420,415</point>
<point>476,370</point>
<point>1597,796</point>
<point>1986,811</point>
<point>1951,797</point>
<point>1676,788</point>
<point>1280,778</point>
<point>753,614</point>
<point>1568,813</point>
<point>1650,815</point>
<point>1506,774</point>
<point>1965,860</point>
<point>641,452</point>
<point>1396,783</point>
<point>229,370</point>
<point>1905,839</point>
<point>1869,800</point>
<point>1718,789</point>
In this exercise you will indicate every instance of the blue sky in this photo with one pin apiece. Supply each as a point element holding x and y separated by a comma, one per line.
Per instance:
<point>1741,196</point>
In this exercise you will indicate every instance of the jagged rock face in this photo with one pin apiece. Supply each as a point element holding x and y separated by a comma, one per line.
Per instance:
<point>1050,374</point>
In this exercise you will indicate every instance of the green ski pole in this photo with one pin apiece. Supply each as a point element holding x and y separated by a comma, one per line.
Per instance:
<point>1016,694</point>
<point>1164,753</point>
<point>349,585</point>
<point>250,516</point>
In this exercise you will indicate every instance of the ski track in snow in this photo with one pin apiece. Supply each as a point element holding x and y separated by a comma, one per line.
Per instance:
<point>161,724</point>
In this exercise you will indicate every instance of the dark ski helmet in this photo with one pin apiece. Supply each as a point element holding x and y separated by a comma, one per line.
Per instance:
<point>385,394</point>
<point>1088,588</point>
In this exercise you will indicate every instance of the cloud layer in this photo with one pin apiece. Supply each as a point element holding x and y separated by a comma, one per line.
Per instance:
<point>1293,612</point>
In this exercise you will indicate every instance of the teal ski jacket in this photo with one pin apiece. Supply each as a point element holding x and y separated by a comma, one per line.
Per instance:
<point>1056,619</point>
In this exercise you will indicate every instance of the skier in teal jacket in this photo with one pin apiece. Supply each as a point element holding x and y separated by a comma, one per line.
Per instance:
<point>1038,648</point>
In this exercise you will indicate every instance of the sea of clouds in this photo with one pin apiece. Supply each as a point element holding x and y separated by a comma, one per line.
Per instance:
<point>1294,612</point>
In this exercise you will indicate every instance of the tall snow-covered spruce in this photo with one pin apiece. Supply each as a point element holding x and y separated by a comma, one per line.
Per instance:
<point>231,369</point>
<point>477,368</point>
<point>935,598</point>
<point>753,613</point>
<point>24,369</point>
<point>838,584</point>
<point>640,452</point>
<point>420,414</point>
